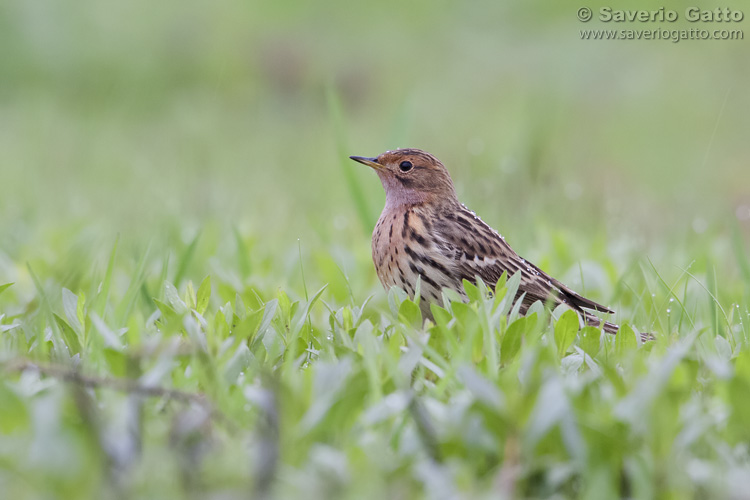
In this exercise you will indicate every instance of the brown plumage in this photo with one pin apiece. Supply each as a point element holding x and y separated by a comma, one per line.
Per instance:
<point>425,232</point>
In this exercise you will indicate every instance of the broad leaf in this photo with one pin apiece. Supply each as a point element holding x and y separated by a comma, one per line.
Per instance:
<point>512,340</point>
<point>565,331</point>
<point>204,295</point>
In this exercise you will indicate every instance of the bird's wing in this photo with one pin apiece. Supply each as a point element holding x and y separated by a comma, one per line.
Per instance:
<point>475,249</point>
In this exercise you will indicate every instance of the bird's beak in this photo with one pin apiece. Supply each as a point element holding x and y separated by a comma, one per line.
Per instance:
<point>370,162</point>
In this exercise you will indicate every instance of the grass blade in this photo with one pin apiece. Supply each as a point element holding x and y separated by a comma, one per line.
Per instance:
<point>342,151</point>
<point>100,303</point>
<point>185,259</point>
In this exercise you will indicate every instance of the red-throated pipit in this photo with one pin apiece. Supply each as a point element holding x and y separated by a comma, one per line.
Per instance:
<point>425,232</point>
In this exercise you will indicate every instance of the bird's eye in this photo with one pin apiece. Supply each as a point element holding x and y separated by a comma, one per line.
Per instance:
<point>405,166</point>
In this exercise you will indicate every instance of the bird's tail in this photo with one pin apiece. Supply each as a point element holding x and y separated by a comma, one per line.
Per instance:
<point>608,327</point>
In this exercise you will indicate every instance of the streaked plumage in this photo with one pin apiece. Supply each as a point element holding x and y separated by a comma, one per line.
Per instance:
<point>424,231</point>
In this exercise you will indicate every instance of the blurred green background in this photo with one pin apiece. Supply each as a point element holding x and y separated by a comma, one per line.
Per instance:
<point>157,121</point>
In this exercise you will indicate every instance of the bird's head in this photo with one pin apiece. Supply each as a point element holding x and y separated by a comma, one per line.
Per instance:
<point>411,176</point>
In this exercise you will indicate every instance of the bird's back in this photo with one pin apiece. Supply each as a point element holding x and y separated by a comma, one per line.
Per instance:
<point>445,245</point>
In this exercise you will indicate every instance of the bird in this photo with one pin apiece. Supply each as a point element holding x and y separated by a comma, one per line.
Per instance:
<point>425,233</point>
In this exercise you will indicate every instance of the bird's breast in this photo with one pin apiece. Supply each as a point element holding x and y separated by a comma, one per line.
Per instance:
<point>385,243</point>
<point>405,249</point>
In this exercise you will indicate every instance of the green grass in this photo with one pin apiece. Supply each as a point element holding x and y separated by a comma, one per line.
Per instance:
<point>188,306</point>
<point>131,386</point>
